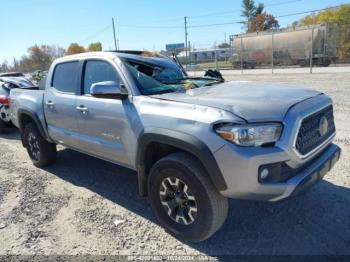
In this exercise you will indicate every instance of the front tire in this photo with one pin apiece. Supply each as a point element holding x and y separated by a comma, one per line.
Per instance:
<point>184,200</point>
<point>41,152</point>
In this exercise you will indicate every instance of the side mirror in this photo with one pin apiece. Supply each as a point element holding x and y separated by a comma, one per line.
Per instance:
<point>107,89</point>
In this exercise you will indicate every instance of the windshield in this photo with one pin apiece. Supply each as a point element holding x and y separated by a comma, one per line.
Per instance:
<point>158,79</point>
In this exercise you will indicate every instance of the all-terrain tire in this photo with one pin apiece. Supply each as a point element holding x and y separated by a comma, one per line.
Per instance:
<point>212,207</point>
<point>41,152</point>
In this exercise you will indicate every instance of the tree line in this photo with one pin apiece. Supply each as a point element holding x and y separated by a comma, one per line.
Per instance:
<point>40,57</point>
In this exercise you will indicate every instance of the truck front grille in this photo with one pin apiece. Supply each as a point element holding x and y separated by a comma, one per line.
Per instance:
<point>314,130</point>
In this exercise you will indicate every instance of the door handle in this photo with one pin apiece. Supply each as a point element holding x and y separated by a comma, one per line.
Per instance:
<point>50,103</point>
<point>82,109</point>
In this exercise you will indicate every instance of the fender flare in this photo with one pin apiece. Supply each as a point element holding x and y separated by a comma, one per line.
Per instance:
<point>184,142</point>
<point>34,116</point>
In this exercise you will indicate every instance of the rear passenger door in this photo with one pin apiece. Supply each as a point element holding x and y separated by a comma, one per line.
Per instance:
<point>60,104</point>
<point>103,124</point>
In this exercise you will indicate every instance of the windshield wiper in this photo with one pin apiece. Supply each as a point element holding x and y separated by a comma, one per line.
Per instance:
<point>212,83</point>
<point>178,80</point>
<point>165,91</point>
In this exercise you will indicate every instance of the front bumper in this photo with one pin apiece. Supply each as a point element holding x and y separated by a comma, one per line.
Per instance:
<point>312,173</point>
<point>240,169</point>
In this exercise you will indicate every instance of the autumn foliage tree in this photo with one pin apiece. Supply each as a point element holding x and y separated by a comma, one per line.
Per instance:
<point>262,22</point>
<point>75,48</point>
<point>39,57</point>
<point>255,17</point>
<point>95,47</point>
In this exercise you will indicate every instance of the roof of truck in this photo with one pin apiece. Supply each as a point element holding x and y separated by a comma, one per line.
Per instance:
<point>142,56</point>
<point>110,54</point>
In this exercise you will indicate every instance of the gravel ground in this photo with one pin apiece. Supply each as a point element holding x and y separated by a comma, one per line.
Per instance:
<point>82,205</point>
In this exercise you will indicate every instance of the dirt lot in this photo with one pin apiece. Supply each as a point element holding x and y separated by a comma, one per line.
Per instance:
<point>70,207</point>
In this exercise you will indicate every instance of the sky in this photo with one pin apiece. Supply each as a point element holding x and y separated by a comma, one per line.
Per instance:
<point>140,24</point>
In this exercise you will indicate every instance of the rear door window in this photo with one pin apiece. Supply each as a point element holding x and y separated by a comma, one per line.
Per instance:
<point>65,78</point>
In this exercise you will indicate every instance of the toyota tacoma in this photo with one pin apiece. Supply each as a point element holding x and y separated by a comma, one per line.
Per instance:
<point>194,141</point>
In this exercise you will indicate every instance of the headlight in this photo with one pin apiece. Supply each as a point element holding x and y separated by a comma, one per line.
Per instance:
<point>250,135</point>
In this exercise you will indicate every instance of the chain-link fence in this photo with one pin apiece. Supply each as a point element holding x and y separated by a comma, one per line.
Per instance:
<point>308,47</point>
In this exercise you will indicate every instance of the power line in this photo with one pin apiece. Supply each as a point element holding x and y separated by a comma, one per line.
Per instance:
<point>211,25</point>
<point>238,10</point>
<point>311,11</point>
<point>204,25</point>
<point>151,26</point>
<point>96,34</point>
<point>286,15</point>
<point>199,16</point>
<point>209,14</point>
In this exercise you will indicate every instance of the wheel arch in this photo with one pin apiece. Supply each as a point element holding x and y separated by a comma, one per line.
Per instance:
<point>25,117</point>
<point>148,145</point>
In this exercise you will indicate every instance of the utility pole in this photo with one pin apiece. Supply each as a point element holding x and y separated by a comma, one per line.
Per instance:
<point>115,39</point>
<point>186,35</point>
<point>189,52</point>
<point>273,51</point>
<point>216,56</point>
<point>312,44</point>
<point>311,50</point>
<point>241,51</point>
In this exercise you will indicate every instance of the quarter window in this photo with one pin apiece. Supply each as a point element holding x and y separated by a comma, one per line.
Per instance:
<point>98,71</point>
<point>65,77</point>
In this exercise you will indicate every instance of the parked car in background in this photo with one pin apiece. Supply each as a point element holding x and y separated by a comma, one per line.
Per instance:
<point>12,74</point>
<point>10,81</point>
<point>194,142</point>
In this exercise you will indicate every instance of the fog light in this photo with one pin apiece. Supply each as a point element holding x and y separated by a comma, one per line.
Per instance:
<point>264,174</point>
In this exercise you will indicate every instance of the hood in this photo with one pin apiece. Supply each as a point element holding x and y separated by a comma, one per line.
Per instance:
<point>252,101</point>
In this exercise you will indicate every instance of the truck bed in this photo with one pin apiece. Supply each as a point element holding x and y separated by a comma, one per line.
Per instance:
<point>30,100</point>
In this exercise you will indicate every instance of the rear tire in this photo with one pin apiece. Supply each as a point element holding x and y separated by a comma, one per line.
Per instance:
<point>41,152</point>
<point>183,198</point>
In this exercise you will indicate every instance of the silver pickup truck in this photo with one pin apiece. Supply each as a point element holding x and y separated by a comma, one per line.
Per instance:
<point>194,142</point>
